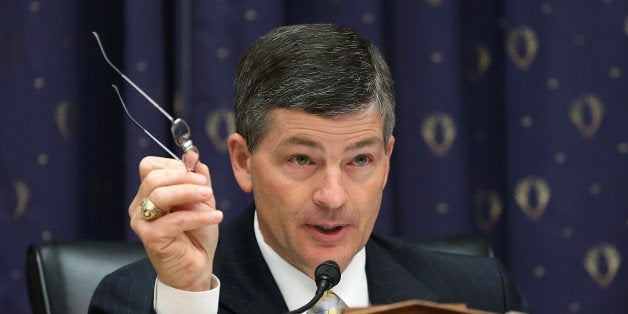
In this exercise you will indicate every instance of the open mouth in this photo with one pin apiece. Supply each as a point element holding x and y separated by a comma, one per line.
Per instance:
<point>327,229</point>
<point>328,233</point>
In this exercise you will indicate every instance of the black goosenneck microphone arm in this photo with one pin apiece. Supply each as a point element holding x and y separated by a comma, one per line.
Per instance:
<point>327,276</point>
<point>320,289</point>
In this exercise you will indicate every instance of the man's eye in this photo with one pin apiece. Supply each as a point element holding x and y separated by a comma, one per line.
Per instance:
<point>301,160</point>
<point>361,160</point>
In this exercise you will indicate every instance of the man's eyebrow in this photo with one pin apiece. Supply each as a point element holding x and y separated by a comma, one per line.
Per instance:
<point>300,141</point>
<point>371,141</point>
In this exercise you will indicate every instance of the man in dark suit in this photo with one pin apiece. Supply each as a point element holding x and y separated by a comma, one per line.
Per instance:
<point>314,109</point>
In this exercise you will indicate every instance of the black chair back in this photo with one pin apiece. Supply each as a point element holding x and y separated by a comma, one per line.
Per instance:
<point>61,277</point>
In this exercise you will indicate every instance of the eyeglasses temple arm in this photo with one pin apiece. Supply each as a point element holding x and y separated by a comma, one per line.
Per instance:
<point>102,50</point>
<point>141,127</point>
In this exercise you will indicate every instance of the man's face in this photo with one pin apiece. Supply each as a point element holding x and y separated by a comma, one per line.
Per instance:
<point>318,184</point>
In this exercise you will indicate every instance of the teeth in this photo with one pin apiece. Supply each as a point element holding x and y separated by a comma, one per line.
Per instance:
<point>327,228</point>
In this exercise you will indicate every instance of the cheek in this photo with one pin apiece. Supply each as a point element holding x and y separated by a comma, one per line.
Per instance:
<point>278,198</point>
<point>369,189</point>
<point>367,200</point>
<point>272,192</point>
<point>371,206</point>
<point>277,184</point>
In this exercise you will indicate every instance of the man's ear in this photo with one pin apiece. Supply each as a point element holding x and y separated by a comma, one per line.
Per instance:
<point>390,145</point>
<point>240,161</point>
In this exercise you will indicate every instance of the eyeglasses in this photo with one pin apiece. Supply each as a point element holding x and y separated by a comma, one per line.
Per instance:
<point>180,129</point>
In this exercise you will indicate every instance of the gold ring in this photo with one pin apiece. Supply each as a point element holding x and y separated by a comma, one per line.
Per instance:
<point>149,210</point>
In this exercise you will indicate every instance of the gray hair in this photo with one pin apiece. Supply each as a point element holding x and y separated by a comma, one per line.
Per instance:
<point>322,69</point>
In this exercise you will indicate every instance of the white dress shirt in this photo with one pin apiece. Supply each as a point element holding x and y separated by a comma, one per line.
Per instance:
<point>296,287</point>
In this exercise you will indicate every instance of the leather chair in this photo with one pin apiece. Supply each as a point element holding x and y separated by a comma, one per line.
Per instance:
<point>62,276</point>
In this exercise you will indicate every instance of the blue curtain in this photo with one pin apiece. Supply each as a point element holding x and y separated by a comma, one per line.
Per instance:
<point>511,124</point>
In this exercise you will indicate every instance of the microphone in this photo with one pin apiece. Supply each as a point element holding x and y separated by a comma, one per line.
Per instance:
<point>326,275</point>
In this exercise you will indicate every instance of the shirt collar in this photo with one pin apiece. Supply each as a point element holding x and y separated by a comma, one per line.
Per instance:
<point>297,288</point>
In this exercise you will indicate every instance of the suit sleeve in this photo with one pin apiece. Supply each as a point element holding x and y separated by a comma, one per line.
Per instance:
<point>127,290</point>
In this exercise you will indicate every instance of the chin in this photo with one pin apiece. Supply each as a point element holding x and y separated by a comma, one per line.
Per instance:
<point>342,256</point>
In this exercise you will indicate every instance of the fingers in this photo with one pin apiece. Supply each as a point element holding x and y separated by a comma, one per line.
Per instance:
<point>165,228</point>
<point>185,198</point>
<point>202,168</point>
<point>151,163</point>
<point>181,243</point>
<point>168,197</point>
<point>181,246</point>
<point>172,186</point>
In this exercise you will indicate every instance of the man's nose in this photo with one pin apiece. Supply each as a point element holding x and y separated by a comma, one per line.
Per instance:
<point>331,193</point>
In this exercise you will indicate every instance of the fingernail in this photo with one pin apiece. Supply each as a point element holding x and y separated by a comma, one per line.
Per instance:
<point>205,191</point>
<point>217,214</point>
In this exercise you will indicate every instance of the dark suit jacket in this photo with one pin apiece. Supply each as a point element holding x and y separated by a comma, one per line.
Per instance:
<point>396,271</point>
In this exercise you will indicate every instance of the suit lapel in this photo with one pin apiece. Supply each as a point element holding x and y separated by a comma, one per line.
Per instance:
<point>389,281</point>
<point>247,285</point>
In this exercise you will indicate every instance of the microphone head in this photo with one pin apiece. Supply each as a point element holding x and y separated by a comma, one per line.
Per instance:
<point>328,270</point>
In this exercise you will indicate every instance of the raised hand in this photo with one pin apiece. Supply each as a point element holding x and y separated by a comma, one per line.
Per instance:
<point>181,241</point>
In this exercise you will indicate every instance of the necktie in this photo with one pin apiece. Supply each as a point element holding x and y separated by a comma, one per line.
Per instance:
<point>330,303</point>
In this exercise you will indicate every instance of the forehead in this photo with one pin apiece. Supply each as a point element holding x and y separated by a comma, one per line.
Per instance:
<point>290,126</point>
